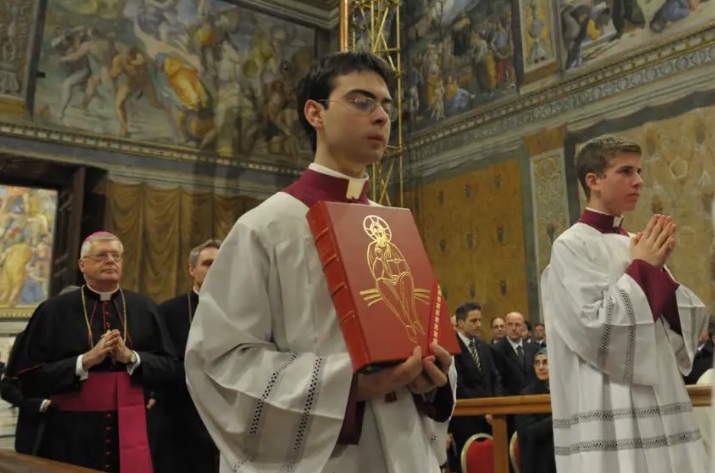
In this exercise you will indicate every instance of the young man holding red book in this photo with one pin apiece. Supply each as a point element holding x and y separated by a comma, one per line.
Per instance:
<point>621,331</point>
<point>266,360</point>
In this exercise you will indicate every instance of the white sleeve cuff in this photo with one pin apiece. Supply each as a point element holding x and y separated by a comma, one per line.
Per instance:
<point>45,404</point>
<point>131,368</point>
<point>79,369</point>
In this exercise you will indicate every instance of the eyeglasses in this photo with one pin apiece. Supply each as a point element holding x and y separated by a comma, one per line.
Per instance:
<point>367,106</point>
<point>105,256</point>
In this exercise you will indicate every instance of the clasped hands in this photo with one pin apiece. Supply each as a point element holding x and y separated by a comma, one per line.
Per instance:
<point>655,244</point>
<point>110,344</point>
<point>419,375</point>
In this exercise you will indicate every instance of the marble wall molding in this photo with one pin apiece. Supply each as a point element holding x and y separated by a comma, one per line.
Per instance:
<point>650,76</point>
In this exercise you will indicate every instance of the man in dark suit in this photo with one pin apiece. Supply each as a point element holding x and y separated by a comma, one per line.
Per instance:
<point>514,357</point>
<point>704,357</point>
<point>477,375</point>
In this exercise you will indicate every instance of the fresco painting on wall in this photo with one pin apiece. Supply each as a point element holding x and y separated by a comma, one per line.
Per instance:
<point>27,224</point>
<point>596,29</point>
<point>460,54</point>
<point>537,34</point>
<point>197,73</point>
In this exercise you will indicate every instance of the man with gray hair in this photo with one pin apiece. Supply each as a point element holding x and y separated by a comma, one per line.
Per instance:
<point>93,352</point>
<point>192,446</point>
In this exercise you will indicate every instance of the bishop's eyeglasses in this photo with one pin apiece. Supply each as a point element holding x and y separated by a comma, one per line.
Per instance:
<point>105,256</point>
<point>365,105</point>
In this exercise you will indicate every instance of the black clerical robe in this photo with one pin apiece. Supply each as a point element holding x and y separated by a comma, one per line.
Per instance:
<point>62,329</point>
<point>193,450</point>
<point>30,420</point>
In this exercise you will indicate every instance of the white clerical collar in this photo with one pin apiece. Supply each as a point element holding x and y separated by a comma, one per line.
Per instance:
<point>193,289</point>
<point>514,344</point>
<point>465,340</point>
<point>103,296</point>
<point>355,185</point>
<point>617,221</point>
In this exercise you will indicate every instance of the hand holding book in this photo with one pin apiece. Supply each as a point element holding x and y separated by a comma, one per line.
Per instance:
<point>434,371</point>
<point>420,375</point>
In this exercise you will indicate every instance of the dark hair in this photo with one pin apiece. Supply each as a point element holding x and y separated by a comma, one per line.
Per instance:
<point>318,82</point>
<point>595,155</point>
<point>465,309</point>
<point>711,326</point>
<point>528,325</point>
<point>539,325</point>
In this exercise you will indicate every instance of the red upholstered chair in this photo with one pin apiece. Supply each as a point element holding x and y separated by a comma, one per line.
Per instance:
<point>514,455</point>
<point>478,454</point>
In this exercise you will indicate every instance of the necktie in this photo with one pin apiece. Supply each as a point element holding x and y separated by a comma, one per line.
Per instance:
<point>475,354</point>
<point>520,354</point>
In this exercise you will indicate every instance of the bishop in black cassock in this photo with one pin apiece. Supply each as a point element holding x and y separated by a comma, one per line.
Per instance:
<point>94,352</point>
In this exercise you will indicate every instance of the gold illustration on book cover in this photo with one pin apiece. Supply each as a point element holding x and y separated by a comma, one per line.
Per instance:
<point>394,282</point>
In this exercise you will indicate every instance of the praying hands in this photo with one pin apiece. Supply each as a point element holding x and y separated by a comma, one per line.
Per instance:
<point>655,244</point>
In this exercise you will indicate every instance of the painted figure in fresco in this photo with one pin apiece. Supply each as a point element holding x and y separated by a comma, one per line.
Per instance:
<point>159,18</point>
<point>436,104</point>
<point>37,273</point>
<point>13,273</point>
<point>208,35</point>
<point>77,71</point>
<point>538,50</point>
<point>101,50</point>
<point>482,63</point>
<point>626,11</point>
<point>580,23</point>
<point>281,123</point>
<point>456,98</point>
<point>180,84</point>
<point>460,35</point>
<point>130,68</point>
<point>503,48</point>
<point>672,11</point>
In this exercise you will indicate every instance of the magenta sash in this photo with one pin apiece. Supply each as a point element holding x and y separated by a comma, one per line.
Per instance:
<point>114,391</point>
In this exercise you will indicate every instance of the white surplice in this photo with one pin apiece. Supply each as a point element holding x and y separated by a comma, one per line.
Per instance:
<point>268,369</point>
<point>618,399</point>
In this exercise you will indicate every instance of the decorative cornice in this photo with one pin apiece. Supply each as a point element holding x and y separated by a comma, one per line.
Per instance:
<point>244,186</point>
<point>258,181</point>
<point>450,144</point>
<point>119,146</point>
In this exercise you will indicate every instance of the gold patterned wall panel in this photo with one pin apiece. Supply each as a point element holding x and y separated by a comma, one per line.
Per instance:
<point>679,172</point>
<point>550,205</point>
<point>473,229</point>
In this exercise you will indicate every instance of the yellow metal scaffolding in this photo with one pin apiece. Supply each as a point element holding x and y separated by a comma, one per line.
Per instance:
<point>374,25</point>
